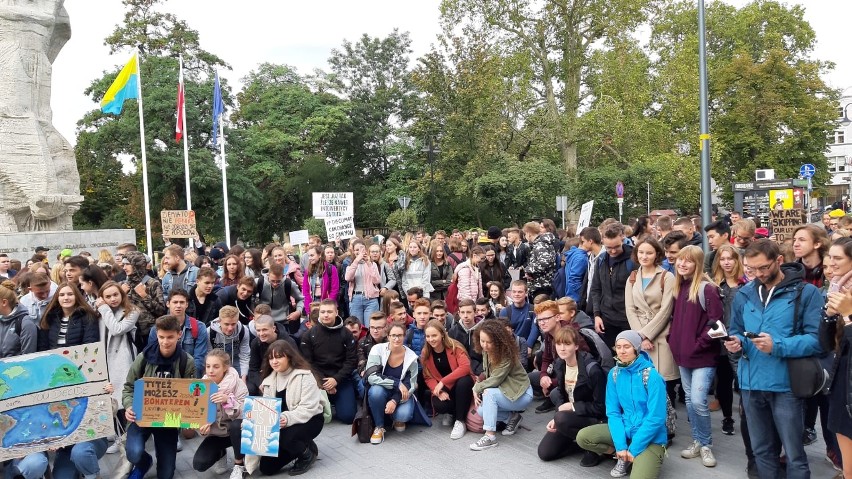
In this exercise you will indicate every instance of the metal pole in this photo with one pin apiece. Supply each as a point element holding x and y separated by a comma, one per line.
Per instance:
<point>182,113</point>
<point>704,134</point>
<point>649,197</point>
<point>148,241</point>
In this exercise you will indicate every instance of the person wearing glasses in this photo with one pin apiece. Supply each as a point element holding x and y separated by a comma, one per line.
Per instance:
<point>377,334</point>
<point>549,321</point>
<point>393,381</point>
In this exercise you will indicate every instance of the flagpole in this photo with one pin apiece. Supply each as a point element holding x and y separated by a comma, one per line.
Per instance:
<point>144,158</point>
<point>185,136</point>
<point>224,181</point>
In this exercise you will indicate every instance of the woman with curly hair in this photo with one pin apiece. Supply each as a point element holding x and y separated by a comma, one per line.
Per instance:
<point>506,388</point>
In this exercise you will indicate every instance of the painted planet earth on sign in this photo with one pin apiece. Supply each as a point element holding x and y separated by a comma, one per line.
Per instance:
<point>40,423</point>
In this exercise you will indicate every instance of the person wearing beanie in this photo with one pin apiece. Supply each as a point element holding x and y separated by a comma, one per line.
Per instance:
<point>636,411</point>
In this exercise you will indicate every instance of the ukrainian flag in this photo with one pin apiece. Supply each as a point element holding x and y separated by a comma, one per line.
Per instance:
<point>124,87</point>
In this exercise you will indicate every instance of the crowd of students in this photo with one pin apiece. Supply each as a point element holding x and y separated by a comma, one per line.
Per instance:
<point>609,328</point>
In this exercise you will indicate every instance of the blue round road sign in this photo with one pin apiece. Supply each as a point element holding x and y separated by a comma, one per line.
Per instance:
<point>807,170</point>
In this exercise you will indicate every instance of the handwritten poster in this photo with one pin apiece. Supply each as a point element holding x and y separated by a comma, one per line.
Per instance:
<point>261,428</point>
<point>333,205</point>
<point>168,402</point>
<point>53,399</point>
<point>585,215</point>
<point>339,228</point>
<point>178,223</point>
<point>784,222</point>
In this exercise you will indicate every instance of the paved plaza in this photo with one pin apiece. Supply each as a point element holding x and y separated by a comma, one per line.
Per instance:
<point>422,452</point>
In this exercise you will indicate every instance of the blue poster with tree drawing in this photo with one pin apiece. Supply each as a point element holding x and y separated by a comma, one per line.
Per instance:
<point>53,399</point>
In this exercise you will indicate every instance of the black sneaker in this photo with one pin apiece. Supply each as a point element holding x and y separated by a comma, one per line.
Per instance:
<point>545,407</point>
<point>303,462</point>
<point>728,426</point>
<point>590,459</point>
<point>751,469</point>
<point>809,437</point>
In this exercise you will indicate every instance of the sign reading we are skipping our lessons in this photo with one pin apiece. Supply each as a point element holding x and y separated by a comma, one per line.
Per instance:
<point>784,223</point>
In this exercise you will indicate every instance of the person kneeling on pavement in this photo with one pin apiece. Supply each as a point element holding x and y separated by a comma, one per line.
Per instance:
<point>636,410</point>
<point>392,375</point>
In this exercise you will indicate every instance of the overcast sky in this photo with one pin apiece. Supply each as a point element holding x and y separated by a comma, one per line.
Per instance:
<point>249,32</point>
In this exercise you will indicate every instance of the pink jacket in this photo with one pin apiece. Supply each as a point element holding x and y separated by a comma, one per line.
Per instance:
<point>328,290</point>
<point>469,280</point>
<point>371,281</point>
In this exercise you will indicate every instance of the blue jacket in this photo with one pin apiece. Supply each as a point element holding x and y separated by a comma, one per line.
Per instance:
<point>415,338</point>
<point>576,265</point>
<point>636,413</point>
<point>759,371</point>
<point>521,319</point>
<point>195,346</point>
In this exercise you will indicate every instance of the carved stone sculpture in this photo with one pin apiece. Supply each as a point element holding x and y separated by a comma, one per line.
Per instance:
<point>39,182</point>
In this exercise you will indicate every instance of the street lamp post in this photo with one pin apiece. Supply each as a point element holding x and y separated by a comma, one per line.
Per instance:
<point>431,149</point>
<point>704,125</point>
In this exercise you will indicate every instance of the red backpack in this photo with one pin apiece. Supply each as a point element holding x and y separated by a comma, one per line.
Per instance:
<point>452,297</point>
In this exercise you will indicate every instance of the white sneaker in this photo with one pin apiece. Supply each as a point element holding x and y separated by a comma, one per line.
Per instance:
<point>694,450</point>
<point>221,465</point>
<point>458,430</point>
<point>179,444</point>
<point>447,420</point>
<point>707,457</point>
<point>238,472</point>
<point>114,447</point>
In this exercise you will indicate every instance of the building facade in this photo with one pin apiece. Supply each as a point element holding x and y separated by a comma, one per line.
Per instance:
<point>839,154</point>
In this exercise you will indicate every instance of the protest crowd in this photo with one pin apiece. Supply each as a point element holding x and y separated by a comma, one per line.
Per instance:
<point>610,330</point>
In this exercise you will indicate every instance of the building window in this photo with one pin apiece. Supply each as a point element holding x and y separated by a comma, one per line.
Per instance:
<point>837,138</point>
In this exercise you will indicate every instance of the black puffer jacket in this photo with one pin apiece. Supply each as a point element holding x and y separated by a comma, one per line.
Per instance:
<point>82,329</point>
<point>590,390</point>
<point>828,341</point>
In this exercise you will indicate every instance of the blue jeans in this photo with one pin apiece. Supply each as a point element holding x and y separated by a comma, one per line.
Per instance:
<point>771,412</point>
<point>165,446</point>
<point>361,307</point>
<point>496,406</point>
<point>32,466</point>
<point>696,384</point>
<point>345,404</point>
<point>378,397</point>
<point>79,460</point>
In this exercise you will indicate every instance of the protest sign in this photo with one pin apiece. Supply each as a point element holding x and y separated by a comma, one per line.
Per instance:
<point>339,228</point>
<point>170,402</point>
<point>53,399</point>
<point>178,223</point>
<point>261,428</point>
<point>299,237</point>
<point>333,205</point>
<point>784,222</point>
<point>585,215</point>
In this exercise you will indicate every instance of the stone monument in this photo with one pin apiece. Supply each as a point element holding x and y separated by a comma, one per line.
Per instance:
<point>39,182</point>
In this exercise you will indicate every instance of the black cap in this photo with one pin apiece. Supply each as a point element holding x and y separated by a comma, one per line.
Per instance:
<point>39,249</point>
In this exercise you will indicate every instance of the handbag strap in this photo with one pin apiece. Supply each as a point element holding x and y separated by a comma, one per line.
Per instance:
<point>796,320</point>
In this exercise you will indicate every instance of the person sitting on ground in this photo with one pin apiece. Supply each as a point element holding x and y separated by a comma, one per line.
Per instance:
<point>636,411</point>
<point>463,332</point>
<point>353,324</point>
<point>579,392</point>
<point>399,313</point>
<point>415,336</point>
<point>162,358</point>
<point>446,372</point>
<point>439,312</point>
<point>505,389</point>
<point>482,310</point>
<point>288,376</point>
<point>226,430</point>
<point>392,374</point>
<point>267,331</point>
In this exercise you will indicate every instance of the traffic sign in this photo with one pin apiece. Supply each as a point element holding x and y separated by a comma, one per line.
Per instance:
<point>807,170</point>
<point>619,190</point>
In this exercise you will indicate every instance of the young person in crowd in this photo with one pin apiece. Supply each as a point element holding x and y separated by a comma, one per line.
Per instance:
<point>672,244</point>
<point>267,331</point>
<point>687,227</point>
<point>695,352</point>
<point>496,297</point>
<point>226,333</point>
<point>117,325</point>
<point>575,269</point>
<point>541,265</point>
<point>164,358</point>
<point>233,270</point>
<point>288,376</point>
<point>321,280</point>
<point>590,241</point>
<point>364,283</point>
<point>728,274</point>
<point>447,374</point>
<point>282,295</point>
<point>203,305</point>
<point>416,270</point>
<point>718,234</point>
<point>517,252</point>
<point>648,303</point>
<point>765,308</point>
<point>398,312</point>
<point>392,375</point>
<point>68,320</point>
<point>225,431</point>
<point>464,332</point>
<point>41,291</point>
<point>520,313</point>
<point>439,313</point>
<point>378,333</point>
<point>570,313</point>
<point>442,272</point>
<point>580,387</point>
<point>179,273</point>
<point>415,335</point>
<point>91,280</point>
<point>144,292</point>
<point>469,277</point>
<point>505,390</point>
<point>392,262</point>
<point>492,269</point>
<point>456,253</point>
<point>240,296</point>
<point>194,337</point>
<point>636,414</point>
<point>836,335</point>
<point>482,311</point>
<point>330,350</point>
<point>254,263</point>
<point>612,271</point>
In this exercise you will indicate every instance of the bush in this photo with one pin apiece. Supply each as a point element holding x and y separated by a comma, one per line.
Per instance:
<point>402,220</point>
